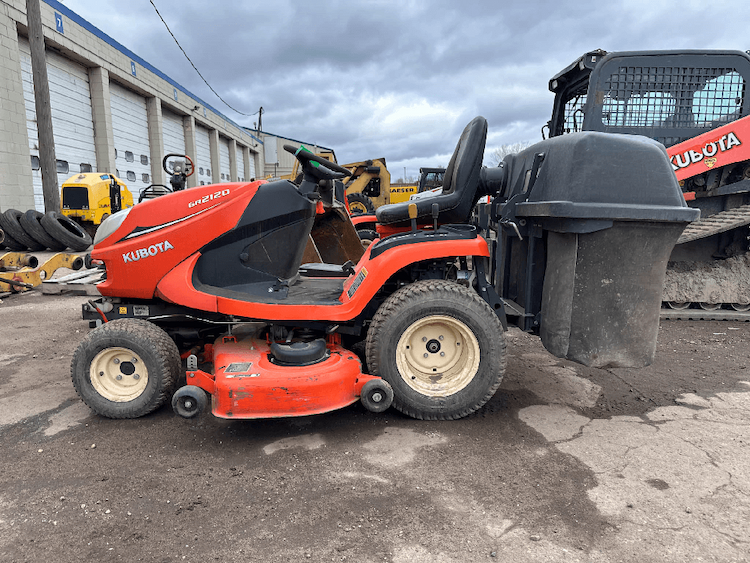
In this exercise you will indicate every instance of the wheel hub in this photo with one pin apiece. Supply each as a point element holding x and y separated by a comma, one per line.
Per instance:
<point>433,346</point>
<point>118,374</point>
<point>437,356</point>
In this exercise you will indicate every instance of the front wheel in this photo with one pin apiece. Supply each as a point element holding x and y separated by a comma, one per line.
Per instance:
<point>125,368</point>
<point>441,348</point>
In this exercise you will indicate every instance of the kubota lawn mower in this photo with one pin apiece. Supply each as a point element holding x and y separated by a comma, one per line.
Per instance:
<point>263,287</point>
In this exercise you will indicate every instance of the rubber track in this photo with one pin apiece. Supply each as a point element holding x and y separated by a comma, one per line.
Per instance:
<point>719,223</point>
<point>395,302</point>
<point>159,340</point>
<point>703,315</point>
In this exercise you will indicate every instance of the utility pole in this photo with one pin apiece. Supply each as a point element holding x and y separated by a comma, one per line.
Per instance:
<point>47,160</point>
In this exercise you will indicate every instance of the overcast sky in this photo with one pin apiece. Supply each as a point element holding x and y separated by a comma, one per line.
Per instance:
<point>399,78</point>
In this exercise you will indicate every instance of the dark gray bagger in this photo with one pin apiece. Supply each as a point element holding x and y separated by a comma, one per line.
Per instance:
<point>586,224</point>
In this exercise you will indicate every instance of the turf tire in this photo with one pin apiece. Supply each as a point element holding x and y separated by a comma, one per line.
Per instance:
<point>435,305</point>
<point>144,340</point>
<point>367,236</point>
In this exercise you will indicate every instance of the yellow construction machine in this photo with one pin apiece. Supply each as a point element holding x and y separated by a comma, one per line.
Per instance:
<point>91,197</point>
<point>369,186</point>
<point>21,272</point>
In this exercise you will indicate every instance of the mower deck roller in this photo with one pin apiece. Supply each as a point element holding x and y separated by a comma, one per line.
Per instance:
<point>573,246</point>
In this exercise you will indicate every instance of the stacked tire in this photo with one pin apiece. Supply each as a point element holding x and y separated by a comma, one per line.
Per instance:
<point>37,231</point>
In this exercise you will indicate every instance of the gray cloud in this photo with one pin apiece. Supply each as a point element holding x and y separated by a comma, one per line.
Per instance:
<point>398,79</point>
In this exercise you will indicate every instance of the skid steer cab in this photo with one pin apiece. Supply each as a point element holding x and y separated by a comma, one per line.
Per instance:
<point>264,289</point>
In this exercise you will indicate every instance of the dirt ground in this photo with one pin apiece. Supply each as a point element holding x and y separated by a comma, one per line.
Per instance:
<point>565,463</point>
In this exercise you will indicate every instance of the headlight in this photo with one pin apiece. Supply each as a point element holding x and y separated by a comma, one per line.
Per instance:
<point>110,225</point>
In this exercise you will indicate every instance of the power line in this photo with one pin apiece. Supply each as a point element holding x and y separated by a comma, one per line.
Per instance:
<point>196,68</point>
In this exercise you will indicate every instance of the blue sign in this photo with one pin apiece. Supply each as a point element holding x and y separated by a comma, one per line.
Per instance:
<point>132,68</point>
<point>175,94</point>
<point>59,23</point>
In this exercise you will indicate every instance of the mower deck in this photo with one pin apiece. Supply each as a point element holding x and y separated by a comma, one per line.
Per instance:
<point>247,383</point>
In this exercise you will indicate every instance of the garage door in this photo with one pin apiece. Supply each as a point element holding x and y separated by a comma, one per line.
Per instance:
<point>224,168</point>
<point>72,122</point>
<point>130,132</point>
<point>174,133</point>
<point>249,174</point>
<point>239,159</point>
<point>203,156</point>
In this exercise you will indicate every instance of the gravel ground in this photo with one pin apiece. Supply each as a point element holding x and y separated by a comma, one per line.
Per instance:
<point>565,463</point>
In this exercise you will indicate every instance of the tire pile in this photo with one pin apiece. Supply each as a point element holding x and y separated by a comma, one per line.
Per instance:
<point>37,231</point>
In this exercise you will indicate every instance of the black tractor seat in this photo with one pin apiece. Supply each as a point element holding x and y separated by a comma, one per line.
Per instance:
<point>460,184</point>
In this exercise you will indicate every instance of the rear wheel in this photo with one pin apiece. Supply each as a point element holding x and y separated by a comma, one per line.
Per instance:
<point>125,368</point>
<point>367,236</point>
<point>360,204</point>
<point>441,348</point>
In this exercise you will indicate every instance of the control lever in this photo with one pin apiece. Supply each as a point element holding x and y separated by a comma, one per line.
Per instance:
<point>435,213</point>
<point>413,216</point>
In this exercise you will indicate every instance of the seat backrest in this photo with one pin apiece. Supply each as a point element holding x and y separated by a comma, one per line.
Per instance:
<point>459,184</point>
<point>152,192</point>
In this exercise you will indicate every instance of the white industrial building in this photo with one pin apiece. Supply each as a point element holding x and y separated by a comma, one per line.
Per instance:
<point>111,112</point>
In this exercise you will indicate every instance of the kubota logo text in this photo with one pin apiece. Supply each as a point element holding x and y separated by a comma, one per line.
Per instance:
<point>707,153</point>
<point>209,197</point>
<point>153,250</point>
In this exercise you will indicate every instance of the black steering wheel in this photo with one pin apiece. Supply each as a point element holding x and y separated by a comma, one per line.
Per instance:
<point>177,168</point>
<point>311,163</point>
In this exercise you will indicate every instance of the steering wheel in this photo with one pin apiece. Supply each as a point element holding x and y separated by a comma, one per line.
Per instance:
<point>311,164</point>
<point>190,168</point>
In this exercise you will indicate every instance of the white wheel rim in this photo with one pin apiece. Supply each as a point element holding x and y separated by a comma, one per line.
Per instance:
<point>118,374</point>
<point>437,356</point>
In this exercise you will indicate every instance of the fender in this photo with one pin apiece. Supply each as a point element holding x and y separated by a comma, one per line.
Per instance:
<point>364,219</point>
<point>369,276</point>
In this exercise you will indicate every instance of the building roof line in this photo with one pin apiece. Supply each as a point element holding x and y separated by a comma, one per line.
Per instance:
<point>88,26</point>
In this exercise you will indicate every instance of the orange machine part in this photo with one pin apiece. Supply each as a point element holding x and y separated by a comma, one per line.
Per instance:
<point>246,384</point>
<point>716,148</point>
